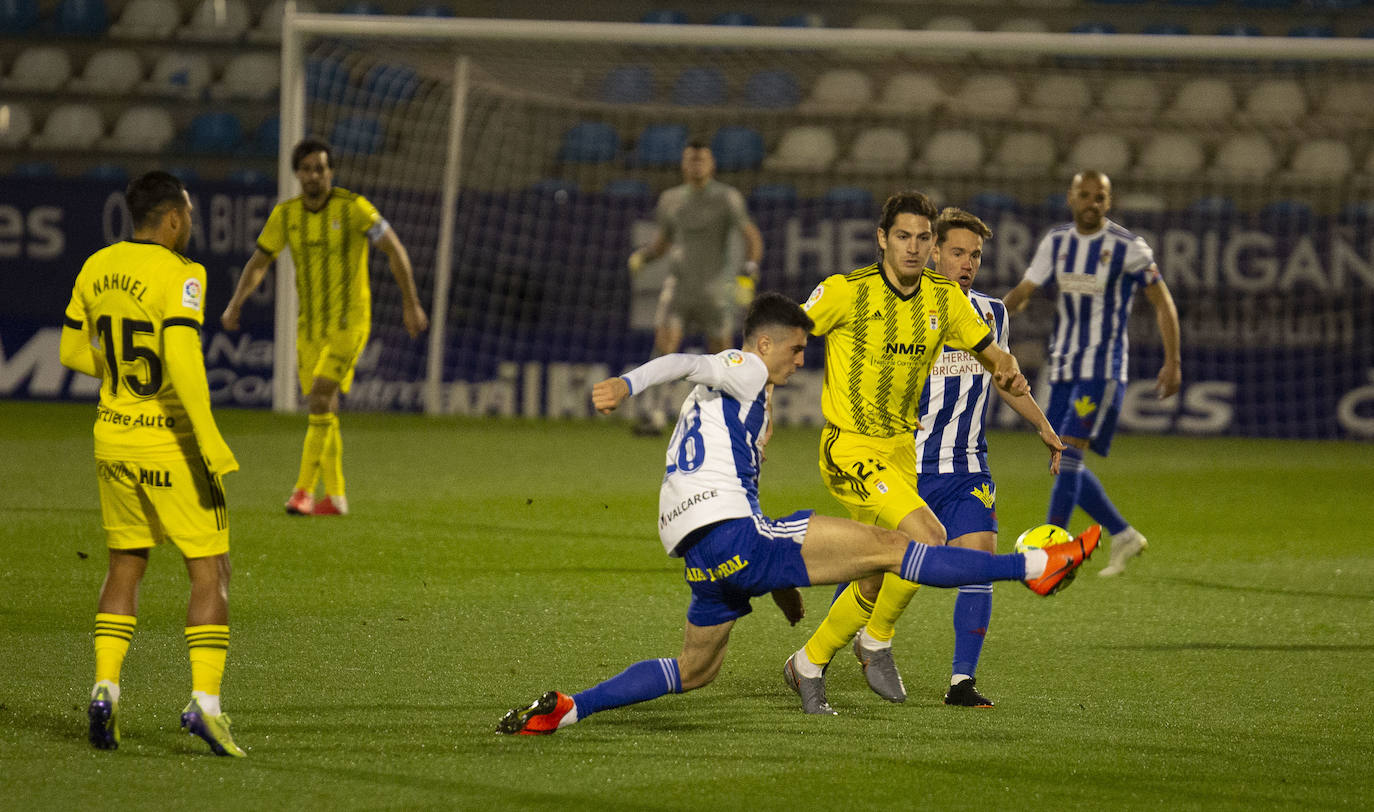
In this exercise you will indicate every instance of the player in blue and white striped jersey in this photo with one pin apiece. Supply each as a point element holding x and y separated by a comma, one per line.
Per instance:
<point>1097,267</point>
<point>951,446</point>
<point>709,516</point>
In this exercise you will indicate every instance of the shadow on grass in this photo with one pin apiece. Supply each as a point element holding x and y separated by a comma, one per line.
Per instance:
<point>1269,590</point>
<point>1200,646</point>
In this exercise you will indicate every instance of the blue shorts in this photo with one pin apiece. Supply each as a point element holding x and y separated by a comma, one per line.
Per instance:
<point>1087,410</point>
<point>964,503</point>
<point>741,559</point>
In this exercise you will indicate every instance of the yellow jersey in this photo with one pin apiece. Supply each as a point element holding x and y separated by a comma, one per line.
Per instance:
<point>329,247</point>
<point>879,345</point>
<point>125,296</point>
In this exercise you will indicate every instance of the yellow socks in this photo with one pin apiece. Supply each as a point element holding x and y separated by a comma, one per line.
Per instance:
<point>208,647</point>
<point>313,449</point>
<point>897,592</point>
<point>331,460</point>
<point>847,615</point>
<point>112,636</point>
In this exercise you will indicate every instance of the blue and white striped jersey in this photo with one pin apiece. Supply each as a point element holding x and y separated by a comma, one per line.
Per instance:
<point>712,470</point>
<point>1097,277</point>
<point>954,405</point>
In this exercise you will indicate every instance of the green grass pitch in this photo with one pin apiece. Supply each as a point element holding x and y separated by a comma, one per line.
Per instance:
<point>488,561</point>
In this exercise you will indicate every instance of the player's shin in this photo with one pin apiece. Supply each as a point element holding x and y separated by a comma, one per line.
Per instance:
<point>1067,488</point>
<point>957,566</point>
<point>892,601</point>
<point>645,680</point>
<point>849,613</point>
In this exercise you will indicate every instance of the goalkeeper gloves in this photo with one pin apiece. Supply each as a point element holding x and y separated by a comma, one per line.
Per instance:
<point>744,290</point>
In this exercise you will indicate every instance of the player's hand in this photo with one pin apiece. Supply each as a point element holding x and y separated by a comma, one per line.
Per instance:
<point>609,394</point>
<point>220,460</point>
<point>1013,383</point>
<point>229,319</point>
<point>635,262</point>
<point>1056,447</point>
<point>1169,380</point>
<point>744,290</point>
<point>415,320</point>
<point>789,600</point>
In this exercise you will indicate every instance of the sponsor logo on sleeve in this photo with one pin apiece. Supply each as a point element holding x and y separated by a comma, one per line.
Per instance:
<point>191,294</point>
<point>733,358</point>
<point>814,297</point>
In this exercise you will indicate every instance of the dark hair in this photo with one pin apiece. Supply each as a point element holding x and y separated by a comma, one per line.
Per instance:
<point>151,194</point>
<point>774,310</point>
<point>698,143</point>
<point>310,146</point>
<point>908,202</point>
<point>951,218</point>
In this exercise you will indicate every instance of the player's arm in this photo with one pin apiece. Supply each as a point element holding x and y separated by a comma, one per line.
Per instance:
<point>656,248</point>
<point>186,368</point>
<point>1019,296</point>
<point>411,311</point>
<point>1006,371</point>
<point>249,280</point>
<point>738,376</point>
<point>1026,406</point>
<point>76,350</point>
<point>1166,316</point>
<point>789,600</point>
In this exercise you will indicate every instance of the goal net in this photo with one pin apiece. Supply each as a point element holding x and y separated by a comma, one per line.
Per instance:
<point>520,163</point>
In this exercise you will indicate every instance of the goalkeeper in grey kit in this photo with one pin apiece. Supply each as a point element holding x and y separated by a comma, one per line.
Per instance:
<point>708,285</point>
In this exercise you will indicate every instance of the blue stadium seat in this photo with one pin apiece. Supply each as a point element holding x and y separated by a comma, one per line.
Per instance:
<point>217,131</point>
<point>83,18</point>
<point>987,204</point>
<point>1287,213</point>
<point>590,142</point>
<point>734,18</point>
<point>1240,30</point>
<point>737,148</point>
<point>18,16</point>
<point>627,187</point>
<point>628,84</point>
<point>109,173</point>
<point>1093,28</point>
<point>1313,31</point>
<point>432,10</point>
<point>551,187</point>
<point>391,82</point>
<point>358,135</point>
<point>186,174</point>
<point>856,196</point>
<point>699,87</point>
<point>1214,206</point>
<point>326,78</point>
<point>771,193</point>
<point>1166,29</point>
<point>1361,212</point>
<point>34,169</point>
<point>664,17</point>
<point>248,177</point>
<point>802,21</point>
<point>267,137</point>
<point>361,7</point>
<point>660,145</point>
<point>775,89</point>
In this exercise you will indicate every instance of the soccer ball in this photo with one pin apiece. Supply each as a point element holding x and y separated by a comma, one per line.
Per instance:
<point>1042,536</point>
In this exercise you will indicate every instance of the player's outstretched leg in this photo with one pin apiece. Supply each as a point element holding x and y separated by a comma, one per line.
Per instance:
<point>213,728</point>
<point>1063,562</point>
<point>543,716</point>
<point>810,689</point>
<point>1126,545</point>
<point>103,713</point>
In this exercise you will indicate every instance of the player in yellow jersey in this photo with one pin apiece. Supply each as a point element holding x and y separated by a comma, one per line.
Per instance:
<point>134,322</point>
<point>884,325</point>
<point>329,231</point>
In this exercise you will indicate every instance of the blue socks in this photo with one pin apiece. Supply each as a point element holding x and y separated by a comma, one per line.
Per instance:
<point>1093,498</point>
<point>645,680</point>
<point>958,566</point>
<point>972,612</point>
<point>1067,486</point>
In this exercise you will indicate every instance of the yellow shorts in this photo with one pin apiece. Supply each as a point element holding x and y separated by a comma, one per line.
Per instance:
<point>875,479</point>
<point>332,357</point>
<point>144,503</point>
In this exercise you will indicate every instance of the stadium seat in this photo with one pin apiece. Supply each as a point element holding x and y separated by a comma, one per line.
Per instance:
<point>180,74</point>
<point>1165,30</point>
<point>217,21</point>
<point>988,95</point>
<point>391,82</point>
<point>1276,101</point>
<point>1239,30</point>
<point>269,24</point>
<point>1204,99</point>
<point>811,20</point>
<point>1104,151</point>
<point>1025,153</point>
<point>81,18</point>
<point>1321,160</point>
<point>949,22</point>
<point>772,89</point>
<point>769,193</point>
<point>951,152</point>
<point>248,177</point>
<point>736,148</point>
<point>734,18</point>
<point>913,92</point>
<point>436,10</point>
<point>840,89</point>
<point>590,142</point>
<point>34,169</point>
<point>1345,99</point>
<point>879,150</point>
<point>1244,156</point>
<point>1060,93</point>
<point>699,87</point>
<point>849,197</point>
<point>41,68</point>
<point>363,8</point>
<point>267,137</point>
<point>1137,202</point>
<point>326,78</point>
<point>147,19</point>
<point>627,188</point>
<point>807,148</point>
<point>18,16</point>
<point>660,145</point>
<point>16,125</point>
<point>1171,155</point>
<point>665,17</point>
<point>216,131</point>
<point>114,174</point>
<point>358,135</point>
<point>143,128</point>
<point>1130,95</point>
<point>70,126</point>
<point>109,72</point>
<point>628,84</point>
<point>255,76</point>
<point>1093,27</point>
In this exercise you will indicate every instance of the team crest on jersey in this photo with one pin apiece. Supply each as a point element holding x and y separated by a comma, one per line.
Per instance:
<point>814,297</point>
<point>733,358</point>
<point>984,494</point>
<point>934,319</point>
<point>1105,258</point>
<point>335,225</point>
<point>191,294</point>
